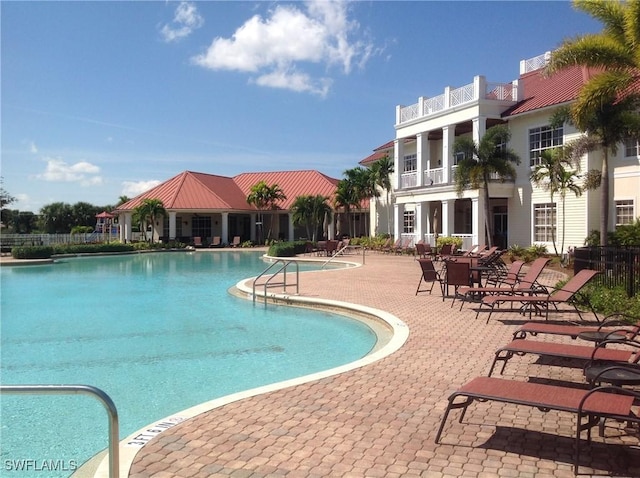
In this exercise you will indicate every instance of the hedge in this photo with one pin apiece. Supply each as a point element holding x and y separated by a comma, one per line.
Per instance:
<point>32,252</point>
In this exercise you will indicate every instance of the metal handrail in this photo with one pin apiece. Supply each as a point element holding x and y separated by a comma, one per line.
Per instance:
<point>341,252</point>
<point>283,268</point>
<point>114,459</point>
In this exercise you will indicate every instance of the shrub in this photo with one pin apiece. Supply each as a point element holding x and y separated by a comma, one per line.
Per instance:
<point>246,244</point>
<point>32,252</point>
<point>282,249</point>
<point>442,240</point>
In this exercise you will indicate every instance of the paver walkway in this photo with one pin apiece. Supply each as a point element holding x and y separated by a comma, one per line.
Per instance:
<point>381,420</point>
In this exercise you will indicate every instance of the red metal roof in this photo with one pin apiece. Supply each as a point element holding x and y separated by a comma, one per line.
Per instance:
<point>292,183</point>
<point>201,191</point>
<point>541,91</point>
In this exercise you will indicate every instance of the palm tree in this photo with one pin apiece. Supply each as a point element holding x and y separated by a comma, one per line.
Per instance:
<point>606,107</point>
<point>310,211</point>
<point>344,198</point>
<point>265,197</point>
<point>556,174</point>
<point>147,213</point>
<point>480,162</point>
<point>381,172</point>
<point>362,185</point>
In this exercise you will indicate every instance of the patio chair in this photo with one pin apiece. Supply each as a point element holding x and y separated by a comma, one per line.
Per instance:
<point>216,242</point>
<point>445,252</point>
<point>457,274</point>
<point>586,353</point>
<point>613,325</point>
<point>424,250</point>
<point>594,405</point>
<point>429,274</point>
<point>235,242</point>
<point>565,295</point>
<point>392,247</point>
<point>197,242</point>
<point>509,281</point>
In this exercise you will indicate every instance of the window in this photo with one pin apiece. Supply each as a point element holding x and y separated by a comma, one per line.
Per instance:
<point>165,227</point>
<point>543,138</point>
<point>544,222</point>
<point>457,158</point>
<point>410,163</point>
<point>624,212</point>
<point>631,148</point>
<point>201,226</point>
<point>409,221</point>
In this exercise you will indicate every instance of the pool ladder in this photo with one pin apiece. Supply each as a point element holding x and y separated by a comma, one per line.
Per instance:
<point>114,459</point>
<point>284,264</point>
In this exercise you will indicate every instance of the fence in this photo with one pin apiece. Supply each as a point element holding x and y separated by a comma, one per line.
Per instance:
<point>7,241</point>
<point>620,266</point>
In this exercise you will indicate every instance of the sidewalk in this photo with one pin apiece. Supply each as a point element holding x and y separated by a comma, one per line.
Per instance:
<point>381,420</point>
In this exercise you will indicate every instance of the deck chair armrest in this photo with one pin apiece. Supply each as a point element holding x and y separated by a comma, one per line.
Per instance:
<point>604,343</point>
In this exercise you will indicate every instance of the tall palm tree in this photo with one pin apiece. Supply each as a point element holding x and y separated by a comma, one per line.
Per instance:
<point>381,172</point>
<point>556,174</point>
<point>362,184</point>
<point>310,211</point>
<point>147,213</point>
<point>480,162</point>
<point>344,198</point>
<point>265,197</point>
<point>606,108</point>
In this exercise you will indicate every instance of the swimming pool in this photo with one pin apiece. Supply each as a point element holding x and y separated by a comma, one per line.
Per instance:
<point>158,332</point>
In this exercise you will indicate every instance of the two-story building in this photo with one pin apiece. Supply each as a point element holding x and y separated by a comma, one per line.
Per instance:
<point>424,201</point>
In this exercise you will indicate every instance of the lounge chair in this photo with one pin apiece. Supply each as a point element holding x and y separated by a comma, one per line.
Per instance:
<point>197,242</point>
<point>569,351</point>
<point>392,247</point>
<point>235,242</point>
<point>613,325</point>
<point>216,242</point>
<point>429,274</point>
<point>565,295</point>
<point>527,285</point>
<point>502,284</point>
<point>594,405</point>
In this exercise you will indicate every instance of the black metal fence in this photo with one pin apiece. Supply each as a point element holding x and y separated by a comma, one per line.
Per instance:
<point>619,265</point>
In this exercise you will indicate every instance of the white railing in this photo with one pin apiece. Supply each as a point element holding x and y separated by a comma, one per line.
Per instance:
<point>500,91</point>
<point>433,105</point>
<point>434,177</point>
<point>409,180</point>
<point>409,113</point>
<point>462,95</point>
<point>467,240</point>
<point>413,238</point>
<point>535,63</point>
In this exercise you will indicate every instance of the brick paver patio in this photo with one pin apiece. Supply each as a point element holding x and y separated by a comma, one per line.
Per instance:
<point>381,420</point>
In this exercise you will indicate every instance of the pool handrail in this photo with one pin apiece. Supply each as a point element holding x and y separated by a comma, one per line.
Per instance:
<point>114,434</point>
<point>283,268</point>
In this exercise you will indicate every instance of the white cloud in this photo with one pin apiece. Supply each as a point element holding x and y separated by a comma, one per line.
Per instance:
<point>33,149</point>
<point>276,47</point>
<point>132,189</point>
<point>82,172</point>
<point>185,20</point>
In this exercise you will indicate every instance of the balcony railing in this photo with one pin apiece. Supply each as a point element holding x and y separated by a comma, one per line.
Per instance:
<point>454,97</point>
<point>435,177</point>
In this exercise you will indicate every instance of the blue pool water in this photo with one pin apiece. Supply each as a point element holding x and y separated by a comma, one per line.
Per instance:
<point>157,332</point>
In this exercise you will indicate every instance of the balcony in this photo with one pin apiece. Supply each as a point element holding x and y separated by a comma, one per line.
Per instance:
<point>453,98</point>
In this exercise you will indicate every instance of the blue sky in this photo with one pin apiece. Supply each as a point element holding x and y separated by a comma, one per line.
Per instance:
<point>104,99</point>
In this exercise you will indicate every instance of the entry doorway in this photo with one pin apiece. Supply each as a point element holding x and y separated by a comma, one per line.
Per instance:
<point>500,227</point>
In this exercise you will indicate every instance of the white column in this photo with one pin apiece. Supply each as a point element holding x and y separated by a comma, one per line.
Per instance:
<point>398,220</point>
<point>125,227</point>
<point>479,128</point>
<point>225,227</point>
<point>479,219</point>
<point>398,159</point>
<point>291,232</point>
<point>476,227</point>
<point>448,136</point>
<point>172,225</point>
<point>252,221</point>
<point>420,222</point>
<point>448,221</point>
<point>422,156</point>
